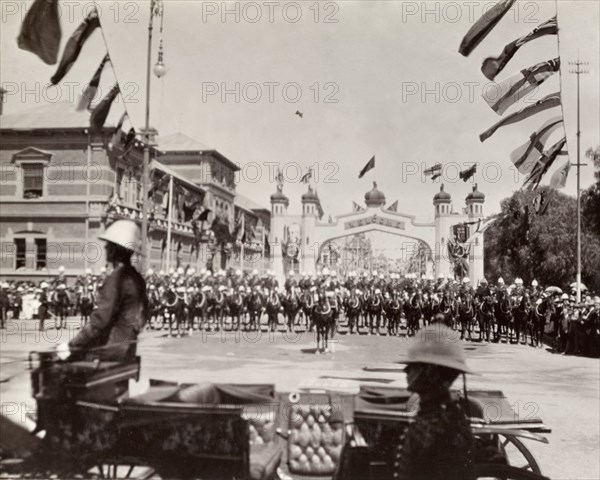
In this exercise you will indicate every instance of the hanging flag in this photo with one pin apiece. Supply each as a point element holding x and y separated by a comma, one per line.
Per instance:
<point>526,155</point>
<point>543,164</point>
<point>115,141</point>
<point>482,27</point>
<point>40,32</point>
<point>559,178</point>
<point>513,89</point>
<point>436,176</point>
<point>541,202</point>
<point>369,166</point>
<point>129,142</point>
<point>190,209</point>
<point>307,176</point>
<point>90,91</point>
<point>74,45</point>
<point>493,66</point>
<point>393,207</point>
<point>468,173</point>
<point>549,101</point>
<point>99,114</point>
<point>431,171</point>
<point>203,217</point>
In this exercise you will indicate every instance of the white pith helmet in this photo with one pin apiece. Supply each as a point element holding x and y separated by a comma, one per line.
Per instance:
<point>334,273</point>
<point>88,271</point>
<point>103,270</point>
<point>500,281</point>
<point>191,271</point>
<point>466,280</point>
<point>150,272</point>
<point>291,273</point>
<point>180,271</point>
<point>534,283</point>
<point>61,269</point>
<point>518,281</point>
<point>171,271</point>
<point>124,233</point>
<point>238,272</point>
<point>325,271</point>
<point>441,276</point>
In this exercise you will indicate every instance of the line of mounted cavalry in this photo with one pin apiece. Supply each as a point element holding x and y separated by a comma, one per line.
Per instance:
<point>370,304</point>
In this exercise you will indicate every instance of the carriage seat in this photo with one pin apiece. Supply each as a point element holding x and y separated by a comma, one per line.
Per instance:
<point>265,452</point>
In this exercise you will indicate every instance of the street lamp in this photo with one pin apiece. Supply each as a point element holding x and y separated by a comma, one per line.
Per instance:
<point>156,8</point>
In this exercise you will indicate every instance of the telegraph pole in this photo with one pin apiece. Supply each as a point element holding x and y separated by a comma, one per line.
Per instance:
<point>578,70</point>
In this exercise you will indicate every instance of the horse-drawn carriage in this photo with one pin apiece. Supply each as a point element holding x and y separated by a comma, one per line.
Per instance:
<point>93,428</point>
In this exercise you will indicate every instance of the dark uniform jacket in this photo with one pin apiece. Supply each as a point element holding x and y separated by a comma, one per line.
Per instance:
<point>118,318</point>
<point>439,445</point>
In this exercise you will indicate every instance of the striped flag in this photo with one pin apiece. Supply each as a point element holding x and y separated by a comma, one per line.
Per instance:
<point>369,166</point>
<point>74,45</point>
<point>90,91</point>
<point>544,163</point>
<point>549,101</point>
<point>40,32</point>
<point>515,88</point>
<point>493,66</point>
<point>99,114</point>
<point>526,155</point>
<point>482,27</point>
<point>559,178</point>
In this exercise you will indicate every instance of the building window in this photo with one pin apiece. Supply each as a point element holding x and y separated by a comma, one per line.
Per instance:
<point>40,253</point>
<point>33,180</point>
<point>20,253</point>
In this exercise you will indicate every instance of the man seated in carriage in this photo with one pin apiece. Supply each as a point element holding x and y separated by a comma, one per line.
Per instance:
<point>122,305</point>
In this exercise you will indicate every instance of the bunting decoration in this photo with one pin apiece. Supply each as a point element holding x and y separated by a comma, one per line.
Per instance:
<point>436,176</point>
<point>74,45</point>
<point>559,178</point>
<point>90,91</point>
<point>493,66</point>
<point>100,113</point>
<point>526,155</point>
<point>531,158</point>
<point>541,202</point>
<point>369,166</point>
<point>543,164</point>
<point>129,142</point>
<point>549,101</point>
<point>40,32</point>
<point>393,207</point>
<point>515,88</point>
<point>116,138</point>
<point>482,27</point>
<point>356,207</point>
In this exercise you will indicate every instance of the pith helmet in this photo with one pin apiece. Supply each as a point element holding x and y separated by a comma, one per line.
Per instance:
<point>124,233</point>
<point>438,345</point>
<point>500,281</point>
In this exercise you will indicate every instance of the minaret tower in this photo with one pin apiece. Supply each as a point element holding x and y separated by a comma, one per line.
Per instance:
<point>475,201</point>
<point>311,212</point>
<point>442,202</point>
<point>279,212</point>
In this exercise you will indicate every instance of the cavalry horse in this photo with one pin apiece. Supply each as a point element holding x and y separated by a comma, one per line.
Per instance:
<point>466,314</point>
<point>174,309</point>
<point>503,311</point>
<point>216,308</point>
<point>254,305</point>
<point>291,307</point>
<point>60,303</point>
<point>393,312</point>
<point>414,308</point>
<point>154,307</point>
<point>235,304</point>
<point>86,305</point>
<point>324,322</point>
<point>374,309</point>
<point>273,307</point>
<point>520,313</point>
<point>539,317</point>
<point>198,309</point>
<point>485,317</point>
<point>308,304</point>
<point>353,310</point>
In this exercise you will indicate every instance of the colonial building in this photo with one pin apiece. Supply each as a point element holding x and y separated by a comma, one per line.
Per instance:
<point>62,184</point>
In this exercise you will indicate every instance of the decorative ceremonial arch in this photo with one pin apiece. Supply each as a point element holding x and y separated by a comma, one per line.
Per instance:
<point>298,242</point>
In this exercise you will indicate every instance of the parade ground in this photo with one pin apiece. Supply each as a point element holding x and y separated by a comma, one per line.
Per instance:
<point>562,390</point>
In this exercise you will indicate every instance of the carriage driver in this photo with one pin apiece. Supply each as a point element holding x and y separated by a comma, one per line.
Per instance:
<point>122,303</point>
<point>439,444</point>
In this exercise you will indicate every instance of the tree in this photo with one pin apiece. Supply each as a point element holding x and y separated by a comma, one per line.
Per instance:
<point>590,198</point>
<point>524,243</point>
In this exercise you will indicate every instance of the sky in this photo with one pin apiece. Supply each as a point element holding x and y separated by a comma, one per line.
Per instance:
<point>379,78</point>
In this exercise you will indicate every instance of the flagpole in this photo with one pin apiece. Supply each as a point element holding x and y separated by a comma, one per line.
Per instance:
<point>242,242</point>
<point>262,267</point>
<point>169,222</point>
<point>578,71</point>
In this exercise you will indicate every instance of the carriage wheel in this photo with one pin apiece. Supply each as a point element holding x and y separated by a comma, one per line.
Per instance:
<point>492,471</point>
<point>518,455</point>
<point>122,471</point>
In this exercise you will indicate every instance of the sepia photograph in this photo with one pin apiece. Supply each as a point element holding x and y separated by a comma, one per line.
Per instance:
<point>300,240</point>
